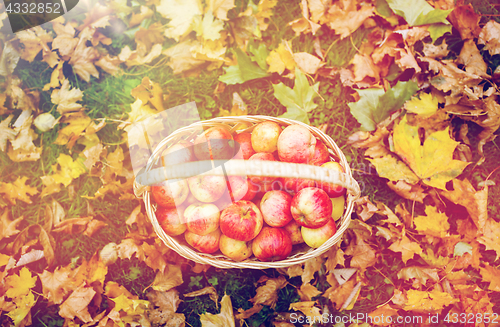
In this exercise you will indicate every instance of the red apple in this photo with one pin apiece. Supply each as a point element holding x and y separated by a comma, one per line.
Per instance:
<point>206,244</point>
<point>234,249</point>
<point>265,137</point>
<point>293,230</point>
<point>171,220</point>
<point>296,144</point>
<point>331,189</point>
<point>272,244</point>
<point>214,144</point>
<point>241,221</point>
<point>170,193</point>
<point>178,153</point>
<point>311,207</point>
<point>293,185</point>
<point>259,179</point>
<point>202,218</point>
<point>321,154</point>
<point>241,188</point>
<point>244,140</point>
<point>207,188</point>
<point>276,185</point>
<point>275,208</point>
<point>316,237</point>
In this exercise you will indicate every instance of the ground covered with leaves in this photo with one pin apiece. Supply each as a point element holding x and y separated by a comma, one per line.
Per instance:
<point>408,91</point>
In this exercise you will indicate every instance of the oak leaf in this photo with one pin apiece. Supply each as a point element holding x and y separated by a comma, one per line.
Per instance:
<point>433,161</point>
<point>224,318</point>
<point>428,302</point>
<point>407,248</point>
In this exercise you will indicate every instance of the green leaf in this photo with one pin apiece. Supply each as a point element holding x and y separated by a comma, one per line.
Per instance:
<point>246,70</point>
<point>298,101</point>
<point>438,30</point>
<point>259,53</point>
<point>375,105</point>
<point>418,12</point>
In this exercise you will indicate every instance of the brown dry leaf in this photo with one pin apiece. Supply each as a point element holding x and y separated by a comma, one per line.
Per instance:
<point>210,290</point>
<point>492,275</point>
<point>65,42</point>
<point>51,186</point>
<point>56,285</point>
<point>83,58</point>
<point>407,191</point>
<point>436,51</point>
<point>311,266</point>
<point>472,59</point>
<point>72,225</point>
<point>309,309</point>
<point>224,318</point>
<point>22,147</point>
<point>17,190</point>
<point>245,314</point>
<point>428,302</point>
<point>491,235</point>
<point>365,209</point>
<point>34,40</point>
<point>466,21</point>
<point>92,155</point>
<point>434,223</point>
<point>167,303</point>
<point>199,268</point>
<point>344,17</point>
<point>307,62</point>
<point>153,258</point>
<point>420,274</point>
<point>137,18</point>
<point>268,294</point>
<point>128,247</point>
<point>363,255</point>
<point>475,202</point>
<point>334,257</point>
<point>339,294</point>
<point>93,226</point>
<point>490,37</point>
<point>66,98</point>
<point>364,69</point>
<point>164,281</point>
<point>9,227</point>
<point>181,58</point>
<point>407,248</point>
<point>382,313</point>
<point>77,304</point>
<point>307,292</point>
<point>149,91</point>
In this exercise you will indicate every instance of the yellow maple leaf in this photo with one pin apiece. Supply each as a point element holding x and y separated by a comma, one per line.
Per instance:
<point>34,40</point>
<point>4,259</point>
<point>78,122</point>
<point>224,318</point>
<point>264,13</point>
<point>149,91</point>
<point>279,59</point>
<point>68,170</point>
<point>23,308</point>
<point>407,248</point>
<point>181,15</point>
<point>431,302</point>
<point>432,260</point>
<point>424,105</point>
<point>208,27</point>
<point>20,285</point>
<point>66,98</point>
<point>129,306</point>
<point>434,224</point>
<point>492,275</point>
<point>17,190</point>
<point>433,161</point>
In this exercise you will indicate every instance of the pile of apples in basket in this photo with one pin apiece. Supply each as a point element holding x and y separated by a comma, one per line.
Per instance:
<point>245,215</point>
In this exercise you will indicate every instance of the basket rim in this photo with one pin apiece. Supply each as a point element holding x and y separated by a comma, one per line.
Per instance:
<point>220,260</point>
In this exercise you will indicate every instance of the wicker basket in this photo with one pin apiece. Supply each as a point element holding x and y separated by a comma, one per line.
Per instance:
<point>301,252</point>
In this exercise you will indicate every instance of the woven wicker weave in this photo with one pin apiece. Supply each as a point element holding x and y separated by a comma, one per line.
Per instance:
<point>301,252</point>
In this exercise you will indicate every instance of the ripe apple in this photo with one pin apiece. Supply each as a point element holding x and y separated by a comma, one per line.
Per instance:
<point>234,249</point>
<point>296,144</point>
<point>331,189</point>
<point>179,153</point>
<point>265,137</point>
<point>206,244</point>
<point>272,244</point>
<point>171,220</point>
<point>311,207</point>
<point>202,218</point>
<point>293,230</point>
<point>241,221</point>
<point>316,237</point>
<point>241,188</point>
<point>293,185</point>
<point>262,189</point>
<point>259,179</point>
<point>216,143</point>
<point>321,154</point>
<point>244,140</point>
<point>338,204</point>
<point>207,188</point>
<point>170,193</point>
<point>275,208</point>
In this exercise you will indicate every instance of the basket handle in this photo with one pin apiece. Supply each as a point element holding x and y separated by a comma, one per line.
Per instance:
<point>246,167</point>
